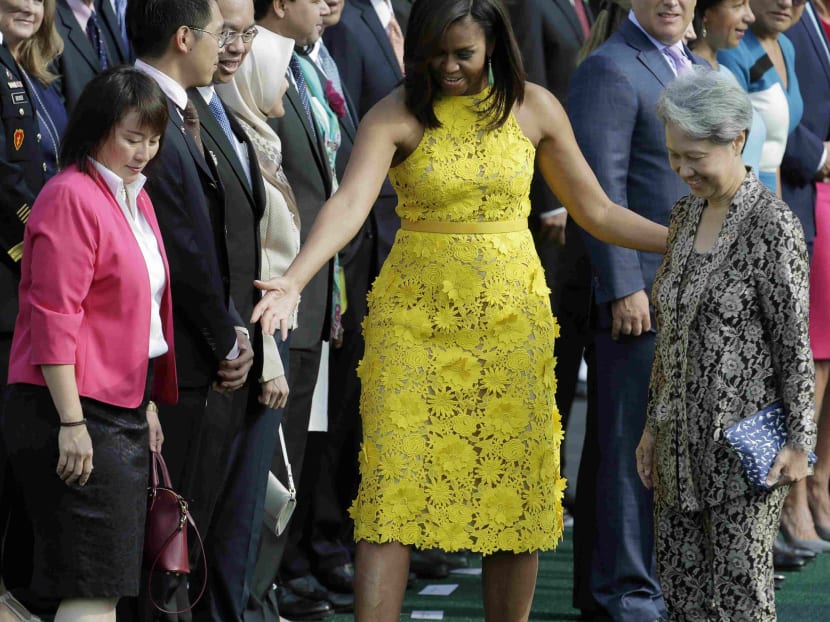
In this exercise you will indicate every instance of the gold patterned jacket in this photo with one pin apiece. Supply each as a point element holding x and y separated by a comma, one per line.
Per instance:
<point>732,337</point>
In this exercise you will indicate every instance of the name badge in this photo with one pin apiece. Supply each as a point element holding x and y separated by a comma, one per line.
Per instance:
<point>15,84</point>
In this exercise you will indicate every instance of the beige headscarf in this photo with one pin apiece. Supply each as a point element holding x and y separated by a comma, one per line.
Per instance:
<point>251,94</point>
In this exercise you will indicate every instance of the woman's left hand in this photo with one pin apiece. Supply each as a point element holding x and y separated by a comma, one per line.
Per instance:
<point>646,467</point>
<point>154,428</point>
<point>789,467</point>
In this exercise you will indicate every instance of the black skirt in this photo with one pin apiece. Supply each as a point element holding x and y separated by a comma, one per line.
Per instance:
<point>88,539</point>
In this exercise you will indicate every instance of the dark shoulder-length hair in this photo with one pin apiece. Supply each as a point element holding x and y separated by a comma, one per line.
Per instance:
<point>105,101</point>
<point>428,23</point>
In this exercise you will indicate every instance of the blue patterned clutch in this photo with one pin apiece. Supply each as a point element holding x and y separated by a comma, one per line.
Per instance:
<point>758,439</point>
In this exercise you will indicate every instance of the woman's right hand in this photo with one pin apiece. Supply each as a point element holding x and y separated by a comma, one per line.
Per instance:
<point>75,461</point>
<point>274,393</point>
<point>645,460</point>
<point>277,305</point>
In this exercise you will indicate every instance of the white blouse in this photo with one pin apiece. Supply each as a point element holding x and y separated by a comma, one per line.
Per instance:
<point>145,238</point>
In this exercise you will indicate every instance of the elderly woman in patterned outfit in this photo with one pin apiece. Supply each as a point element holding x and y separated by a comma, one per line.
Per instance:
<point>731,299</point>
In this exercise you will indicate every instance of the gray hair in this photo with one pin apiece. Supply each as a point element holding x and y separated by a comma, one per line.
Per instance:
<point>706,105</point>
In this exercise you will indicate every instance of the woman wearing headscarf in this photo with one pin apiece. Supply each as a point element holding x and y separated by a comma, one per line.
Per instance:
<point>255,95</point>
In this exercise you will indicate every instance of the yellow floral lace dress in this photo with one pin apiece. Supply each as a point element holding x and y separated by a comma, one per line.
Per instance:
<point>461,432</point>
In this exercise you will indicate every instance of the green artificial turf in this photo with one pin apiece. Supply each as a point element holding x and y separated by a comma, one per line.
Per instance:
<point>805,596</point>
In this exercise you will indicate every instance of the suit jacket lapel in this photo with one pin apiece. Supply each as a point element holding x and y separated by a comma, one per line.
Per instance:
<point>569,16</point>
<point>817,37</point>
<point>212,128</point>
<point>370,17</point>
<point>104,9</point>
<point>198,157</point>
<point>77,37</point>
<point>649,55</point>
<point>294,100</point>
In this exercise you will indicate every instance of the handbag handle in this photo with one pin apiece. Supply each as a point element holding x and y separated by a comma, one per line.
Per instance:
<point>158,464</point>
<point>291,488</point>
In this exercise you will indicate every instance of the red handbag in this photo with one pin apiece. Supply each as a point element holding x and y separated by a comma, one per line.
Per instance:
<point>165,533</point>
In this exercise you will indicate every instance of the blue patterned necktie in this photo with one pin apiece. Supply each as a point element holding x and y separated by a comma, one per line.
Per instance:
<point>221,117</point>
<point>93,33</point>
<point>302,90</point>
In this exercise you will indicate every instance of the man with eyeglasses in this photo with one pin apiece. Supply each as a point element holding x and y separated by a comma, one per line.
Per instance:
<point>177,43</point>
<point>243,431</point>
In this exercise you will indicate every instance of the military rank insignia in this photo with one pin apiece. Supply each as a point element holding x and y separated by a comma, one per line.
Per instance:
<point>18,139</point>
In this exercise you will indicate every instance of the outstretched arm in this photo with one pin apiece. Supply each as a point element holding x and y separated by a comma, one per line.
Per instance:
<point>381,131</point>
<point>572,180</point>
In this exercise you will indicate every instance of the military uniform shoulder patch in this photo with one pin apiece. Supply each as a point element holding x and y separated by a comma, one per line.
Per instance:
<point>18,139</point>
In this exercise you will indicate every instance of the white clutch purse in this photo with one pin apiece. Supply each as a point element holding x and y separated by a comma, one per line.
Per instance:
<point>279,500</point>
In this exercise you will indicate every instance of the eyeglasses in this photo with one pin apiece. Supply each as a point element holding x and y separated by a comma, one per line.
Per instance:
<point>222,38</point>
<point>246,36</point>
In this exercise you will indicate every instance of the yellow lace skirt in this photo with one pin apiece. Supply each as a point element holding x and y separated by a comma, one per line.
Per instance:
<point>461,432</point>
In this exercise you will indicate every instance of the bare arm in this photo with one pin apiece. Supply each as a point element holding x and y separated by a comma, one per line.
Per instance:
<point>382,130</point>
<point>74,443</point>
<point>572,180</point>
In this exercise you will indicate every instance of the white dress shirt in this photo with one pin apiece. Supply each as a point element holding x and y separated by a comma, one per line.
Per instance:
<point>82,11</point>
<point>125,195</point>
<point>384,10</point>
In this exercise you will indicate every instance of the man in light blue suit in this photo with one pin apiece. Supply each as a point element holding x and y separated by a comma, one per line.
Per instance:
<point>612,101</point>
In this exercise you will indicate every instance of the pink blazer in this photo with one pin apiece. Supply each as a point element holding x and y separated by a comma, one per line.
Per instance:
<point>85,295</point>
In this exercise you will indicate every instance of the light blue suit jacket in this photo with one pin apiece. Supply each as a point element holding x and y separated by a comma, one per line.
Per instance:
<point>612,105</point>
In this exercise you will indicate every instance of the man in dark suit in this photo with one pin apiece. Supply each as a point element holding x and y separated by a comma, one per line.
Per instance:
<point>177,43</point>
<point>308,172</point>
<point>92,42</point>
<point>552,35</point>
<point>22,175</point>
<point>611,104</point>
<point>805,162</point>
<point>370,70</point>
<point>239,435</point>
<point>806,158</point>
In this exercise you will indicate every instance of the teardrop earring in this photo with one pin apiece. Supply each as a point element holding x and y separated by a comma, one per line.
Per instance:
<point>490,79</point>
<point>703,31</point>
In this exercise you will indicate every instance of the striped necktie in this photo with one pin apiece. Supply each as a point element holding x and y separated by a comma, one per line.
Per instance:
<point>302,89</point>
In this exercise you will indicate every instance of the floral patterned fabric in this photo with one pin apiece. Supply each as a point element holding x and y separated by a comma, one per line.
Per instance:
<point>461,432</point>
<point>731,338</point>
<point>715,565</point>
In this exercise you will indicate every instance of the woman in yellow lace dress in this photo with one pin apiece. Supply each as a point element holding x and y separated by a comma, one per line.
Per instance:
<point>461,433</point>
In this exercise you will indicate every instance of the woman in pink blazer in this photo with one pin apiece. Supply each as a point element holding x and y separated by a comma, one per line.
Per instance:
<point>92,343</point>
